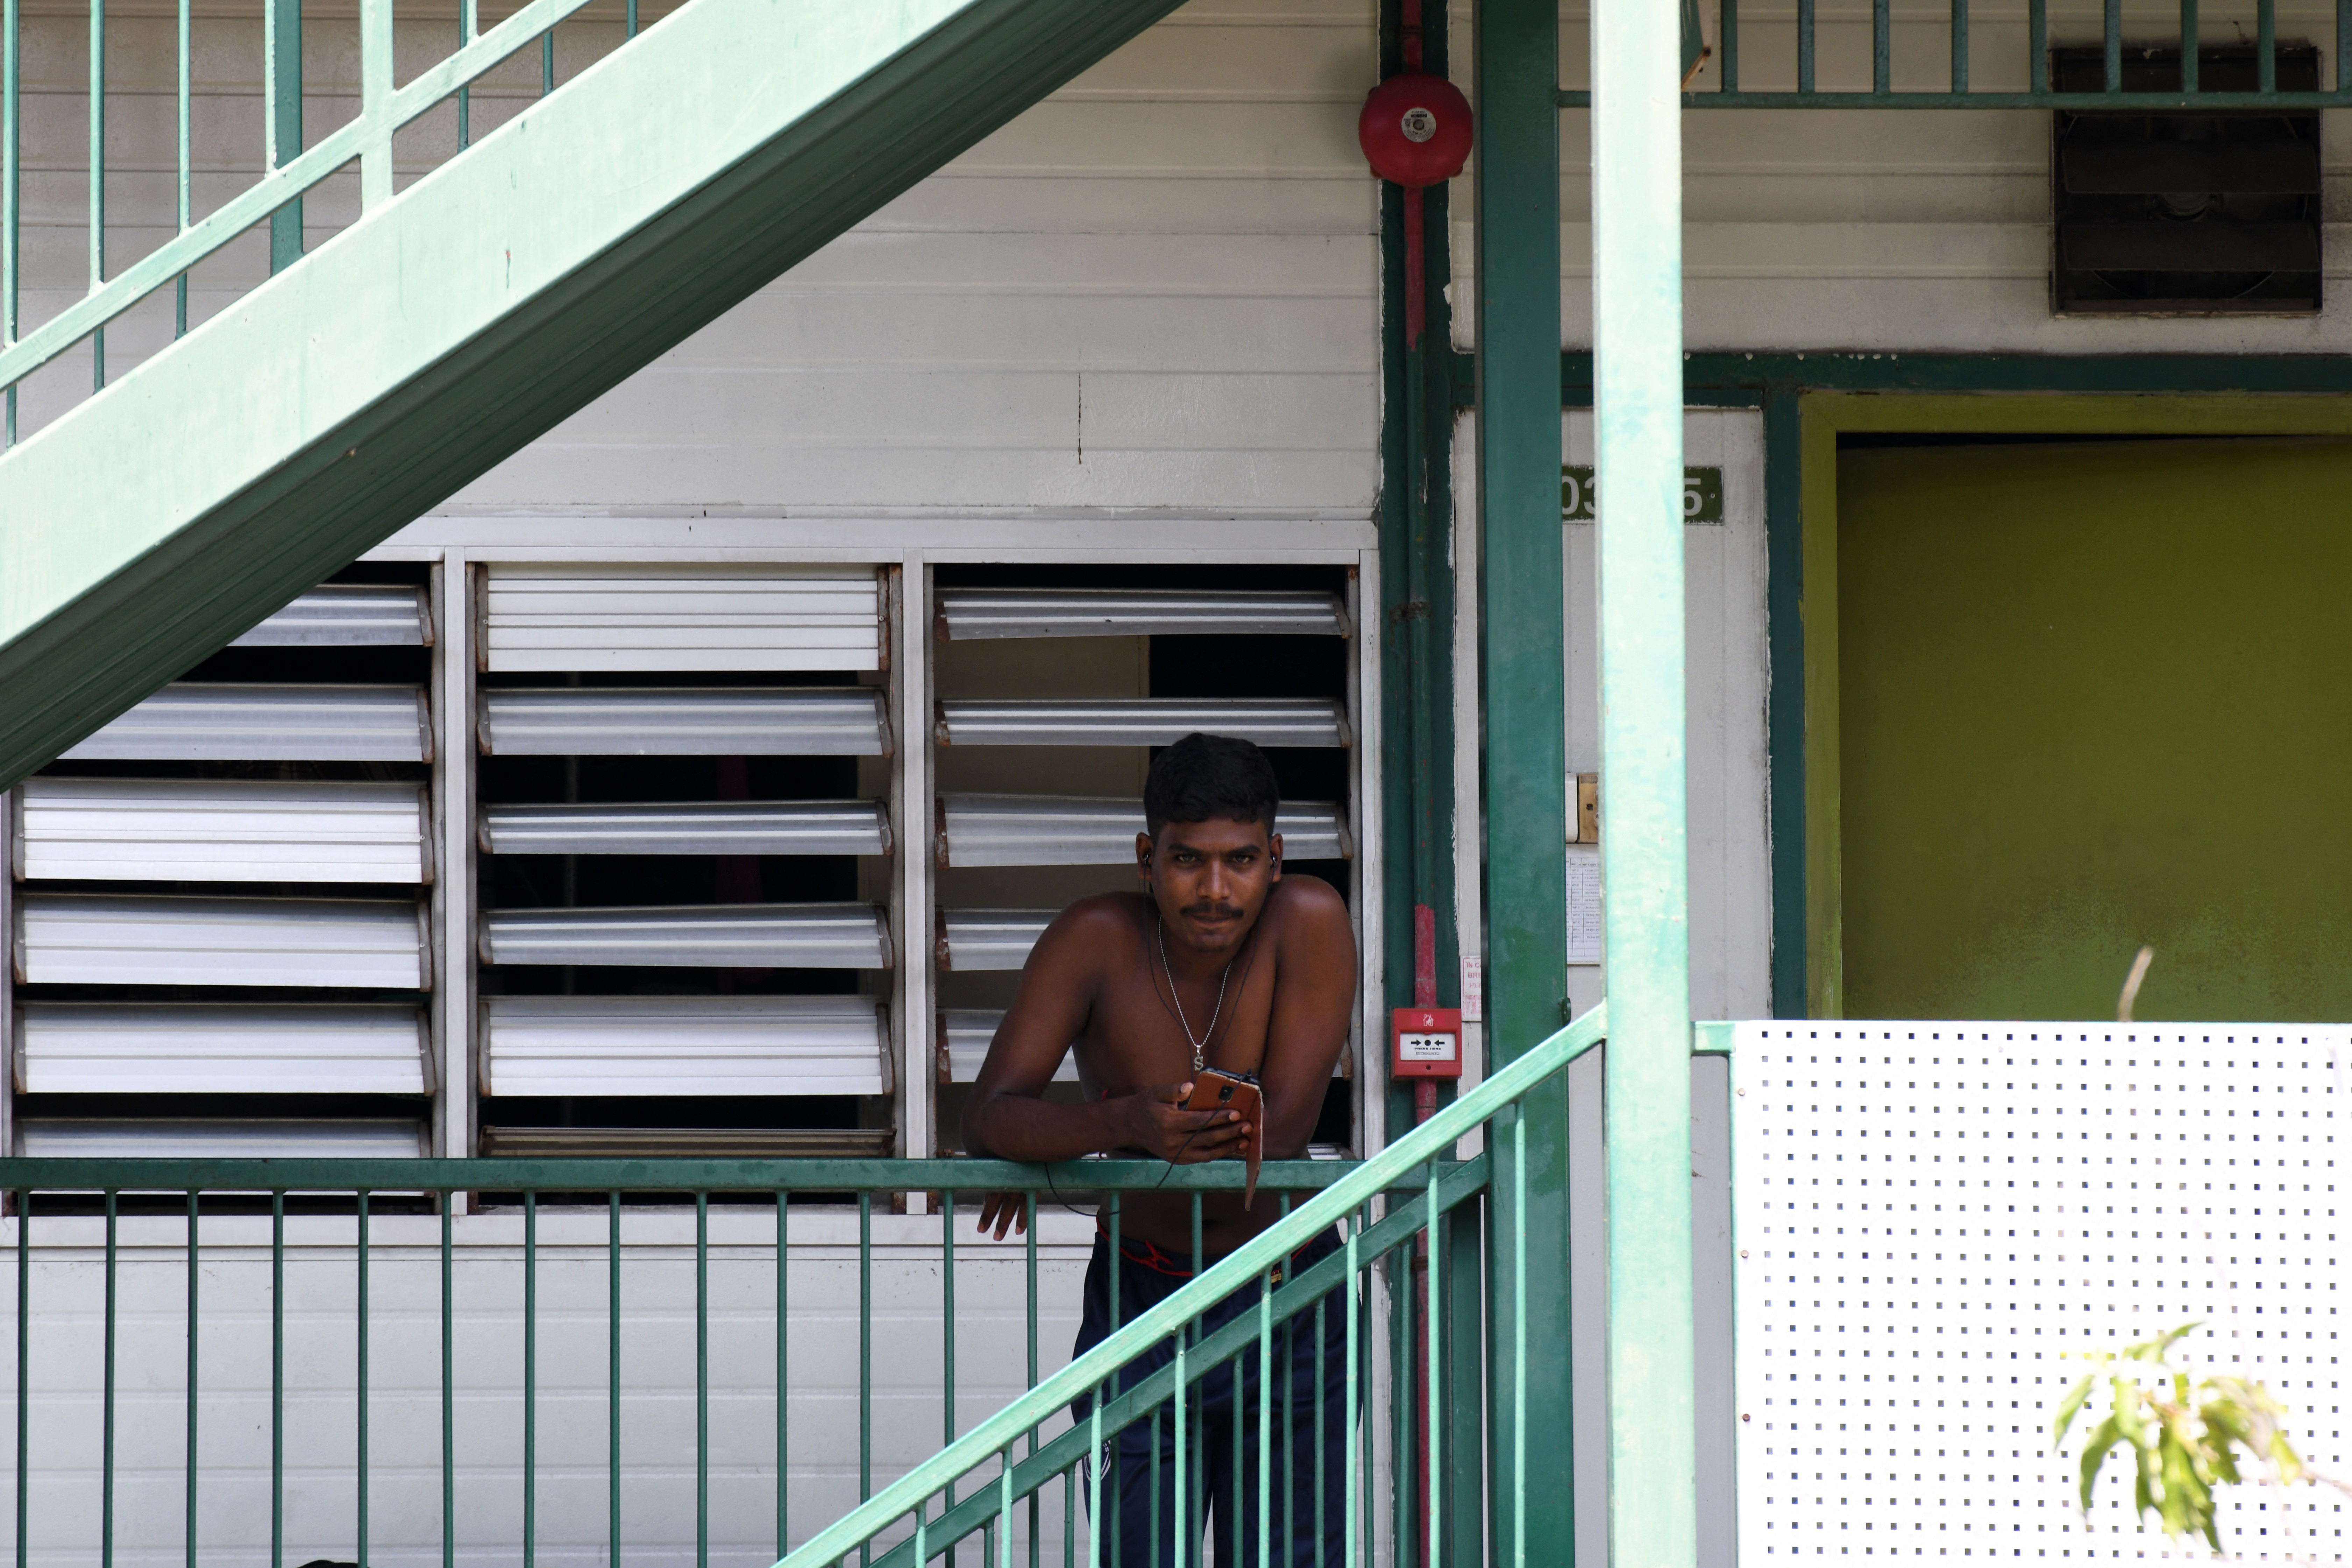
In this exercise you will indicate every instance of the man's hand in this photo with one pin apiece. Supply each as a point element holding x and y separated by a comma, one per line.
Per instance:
<point>1157,1123</point>
<point>1005,1211</point>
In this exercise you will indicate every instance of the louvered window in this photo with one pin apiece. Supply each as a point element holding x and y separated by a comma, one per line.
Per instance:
<point>1054,687</point>
<point>682,830</point>
<point>222,921</point>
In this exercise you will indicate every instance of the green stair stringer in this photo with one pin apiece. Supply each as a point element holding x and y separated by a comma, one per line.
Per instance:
<point>468,316</point>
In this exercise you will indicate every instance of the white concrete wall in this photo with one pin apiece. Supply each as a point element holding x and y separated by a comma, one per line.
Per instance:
<point>1907,230</point>
<point>67,1321</point>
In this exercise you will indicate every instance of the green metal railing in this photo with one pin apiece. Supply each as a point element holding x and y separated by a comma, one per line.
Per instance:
<point>51,1198</point>
<point>289,169</point>
<point>1002,1460</point>
<point>2105,21</point>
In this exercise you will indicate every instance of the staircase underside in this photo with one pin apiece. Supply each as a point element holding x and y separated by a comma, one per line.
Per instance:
<point>475,311</point>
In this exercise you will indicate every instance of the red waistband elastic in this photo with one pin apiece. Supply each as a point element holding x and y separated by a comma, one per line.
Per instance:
<point>1160,1262</point>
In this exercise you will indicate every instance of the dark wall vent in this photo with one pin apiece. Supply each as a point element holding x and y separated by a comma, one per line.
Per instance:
<point>2202,212</point>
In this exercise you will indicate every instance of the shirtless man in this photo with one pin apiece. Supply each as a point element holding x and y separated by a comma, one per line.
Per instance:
<point>1221,962</point>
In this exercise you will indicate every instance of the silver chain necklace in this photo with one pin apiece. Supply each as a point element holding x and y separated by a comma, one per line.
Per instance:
<point>1200,1046</point>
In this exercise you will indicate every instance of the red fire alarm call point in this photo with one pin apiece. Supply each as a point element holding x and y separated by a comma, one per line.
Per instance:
<point>1425,1042</point>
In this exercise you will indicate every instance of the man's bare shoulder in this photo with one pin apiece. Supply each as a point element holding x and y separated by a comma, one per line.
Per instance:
<point>1103,925</point>
<point>1307,906</point>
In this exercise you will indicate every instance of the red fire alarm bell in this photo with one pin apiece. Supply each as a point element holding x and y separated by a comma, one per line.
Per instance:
<point>1415,130</point>
<point>1425,1042</point>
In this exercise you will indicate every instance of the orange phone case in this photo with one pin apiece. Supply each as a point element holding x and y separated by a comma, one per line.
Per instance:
<point>1216,1089</point>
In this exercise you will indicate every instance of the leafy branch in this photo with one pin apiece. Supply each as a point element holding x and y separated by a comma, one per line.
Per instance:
<point>2184,1446</point>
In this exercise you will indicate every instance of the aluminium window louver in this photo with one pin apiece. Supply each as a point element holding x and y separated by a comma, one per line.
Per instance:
<point>221,830</point>
<point>1093,830</point>
<point>684,722</point>
<point>964,1034</point>
<point>84,938</point>
<point>689,827</point>
<point>111,1047</point>
<point>975,940</point>
<point>253,1138</point>
<point>684,1045</point>
<point>209,721</point>
<point>980,612</point>
<point>1141,722</point>
<point>348,614</point>
<point>629,616</point>
<point>736,936</point>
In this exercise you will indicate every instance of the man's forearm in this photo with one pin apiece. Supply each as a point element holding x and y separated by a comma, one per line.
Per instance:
<point>1015,1127</point>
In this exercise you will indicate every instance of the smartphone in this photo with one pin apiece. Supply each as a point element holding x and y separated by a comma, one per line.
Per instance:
<point>1213,1089</point>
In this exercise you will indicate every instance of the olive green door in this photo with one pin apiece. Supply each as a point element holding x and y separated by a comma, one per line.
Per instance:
<point>2092,696</point>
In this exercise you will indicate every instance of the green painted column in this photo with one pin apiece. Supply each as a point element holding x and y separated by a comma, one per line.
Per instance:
<point>1524,748</point>
<point>1638,411</point>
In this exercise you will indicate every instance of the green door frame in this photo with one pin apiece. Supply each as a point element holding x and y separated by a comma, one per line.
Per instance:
<point>1807,399</point>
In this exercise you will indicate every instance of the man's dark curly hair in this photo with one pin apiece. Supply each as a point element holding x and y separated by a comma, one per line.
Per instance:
<point>1210,778</point>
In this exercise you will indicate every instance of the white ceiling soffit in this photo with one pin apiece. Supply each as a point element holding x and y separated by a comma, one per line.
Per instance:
<point>1093,830</point>
<point>684,722</point>
<point>82,939</point>
<point>682,617</point>
<point>684,1045</point>
<point>736,936</point>
<point>1143,721</point>
<point>197,721</point>
<point>111,1047</point>
<point>221,830</point>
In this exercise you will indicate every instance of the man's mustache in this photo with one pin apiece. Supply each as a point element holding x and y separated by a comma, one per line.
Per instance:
<point>1211,911</point>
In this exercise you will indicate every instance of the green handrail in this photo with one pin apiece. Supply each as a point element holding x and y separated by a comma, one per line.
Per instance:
<point>994,1436</point>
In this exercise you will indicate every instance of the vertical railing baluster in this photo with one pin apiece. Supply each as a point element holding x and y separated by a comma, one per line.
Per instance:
<point>530,1379</point>
<point>2190,29</point>
<point>448,1394</point>
<point>468,25</point>
<point>193,1276</point>
<point>547,62</point>
<point>1004,1509</point>
<point>278,1381</point>
<point>375,102</point>
<point>1070,1518</point>
<point>1406,1411</point>
<point>2037,43</point>
<point>612,1376</point>
<point>11,157</point>
<point>363,1228</point>
<point>1729,27</point>
<point>783,1383</point>
<point>703,1380</point>
<point>866,1358</point>
<point>1322,1371</point>
<point>2112,36</point>
<point>96,182</point>
<point>106,1473</point>
<point>2266,46</point>
<point>1118,1493</point>
<point>1094,1473</point>
<point>1882,46</point>
<point>180,284</point>
<point>1289,1417</point>
<point>1520,1336</point>
<point>1959,46</point>
<point>632,19</point>
<point>1195,1503</point>
<point>947,1341</point>
<point>1352,1441</point>
<point>1188,1526</point>
<point>1032,1363</point>
<point>281,119</point>
<point>23,1344</point>
<point>1265,1426</point>
<point>1805,46</point>
<point>1434,1410</point>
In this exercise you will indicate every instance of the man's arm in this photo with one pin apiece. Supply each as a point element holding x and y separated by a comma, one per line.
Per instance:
<point>1008,1117</point>
<point>1314,1000</point>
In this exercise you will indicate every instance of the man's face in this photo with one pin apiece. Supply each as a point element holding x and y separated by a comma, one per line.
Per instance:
<point>1209,878</point>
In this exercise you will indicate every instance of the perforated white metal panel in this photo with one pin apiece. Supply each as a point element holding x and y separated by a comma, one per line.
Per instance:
<point>1928,1215</point>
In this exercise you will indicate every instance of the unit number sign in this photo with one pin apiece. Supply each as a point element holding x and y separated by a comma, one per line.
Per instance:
<point>1702,494</point>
